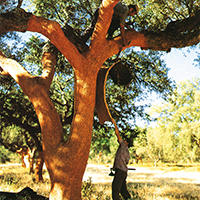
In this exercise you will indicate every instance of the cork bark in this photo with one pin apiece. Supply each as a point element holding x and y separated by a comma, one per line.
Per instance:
<point>66,161</point>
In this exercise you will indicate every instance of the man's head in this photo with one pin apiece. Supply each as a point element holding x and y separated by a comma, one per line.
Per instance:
<point>133,10</point>
<point>128,142</point>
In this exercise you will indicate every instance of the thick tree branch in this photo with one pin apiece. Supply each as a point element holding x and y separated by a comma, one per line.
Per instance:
<point>178,34</point>
<point>53,31</point>
<point>163,41</point>
<point>16,20</point>
<point>112,47</point>
<point>23,78</point>
<point>36,88</point>
<point>48,62</point>
<point>186,25</point>
<point>19,20</point>
<point>14,69</point>
<point>103,22</point>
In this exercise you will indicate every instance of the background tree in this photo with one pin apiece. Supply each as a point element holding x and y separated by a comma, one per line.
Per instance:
<point>60,156</point>
<point>176,135</point>
<point>19,124</point>
<point>124,103</point>
<point>140,144</point>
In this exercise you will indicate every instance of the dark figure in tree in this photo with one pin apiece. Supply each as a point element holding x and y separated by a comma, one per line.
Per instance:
<point>121,12</point>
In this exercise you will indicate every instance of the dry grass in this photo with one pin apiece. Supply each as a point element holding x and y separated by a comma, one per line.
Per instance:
<point>144,183</point>
<point>15,178</point>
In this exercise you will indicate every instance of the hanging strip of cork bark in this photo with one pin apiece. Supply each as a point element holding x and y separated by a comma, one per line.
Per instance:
<point>102,109</point>
<point>120,75</point>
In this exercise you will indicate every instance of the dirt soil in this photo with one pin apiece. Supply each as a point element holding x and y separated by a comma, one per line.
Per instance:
<point>99,174</point>
<point>146,183</point>
<point>151,183</point>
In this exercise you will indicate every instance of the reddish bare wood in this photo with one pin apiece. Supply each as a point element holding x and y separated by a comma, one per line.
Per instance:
<point>66,161</point>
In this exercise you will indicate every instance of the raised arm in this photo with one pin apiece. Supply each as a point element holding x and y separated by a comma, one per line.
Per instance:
<point>116,130</point>
<point>122,30</point>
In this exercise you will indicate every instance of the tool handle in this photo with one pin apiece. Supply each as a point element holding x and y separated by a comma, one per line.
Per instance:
<point>131,169</point>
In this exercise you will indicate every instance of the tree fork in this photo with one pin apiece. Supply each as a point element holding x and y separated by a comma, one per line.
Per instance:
<point>175,35</point>
<point>60,155</point>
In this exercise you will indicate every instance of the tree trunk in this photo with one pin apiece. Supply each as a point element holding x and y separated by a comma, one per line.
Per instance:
<point>39,166</point>
<point>31,165</point>
<point>68,164</point>
<point>66,161</point>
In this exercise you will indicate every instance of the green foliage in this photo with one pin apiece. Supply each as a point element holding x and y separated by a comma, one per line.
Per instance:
<point>7,5</point>
<point>11,134</point>
<point>149,74</point>
<point>73,12</point>
<point>148,70</point>
<point>4,155</point>
<point>88,189</point>
<point>104,145</point>
<point>19,125</point>
<point>35,45</point>
<point>176,135</point>
<point>140,142</point>
<point>155,15</point>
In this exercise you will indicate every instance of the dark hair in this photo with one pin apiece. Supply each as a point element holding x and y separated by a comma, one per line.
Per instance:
<point>129,141</point>
<point>135,8</point>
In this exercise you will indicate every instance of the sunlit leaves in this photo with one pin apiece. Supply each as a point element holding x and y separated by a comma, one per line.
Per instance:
<point>148,70</point>
<point>73,12</point>
<point>177,127</point>
<point>156,14</point>
<point>33,51</point>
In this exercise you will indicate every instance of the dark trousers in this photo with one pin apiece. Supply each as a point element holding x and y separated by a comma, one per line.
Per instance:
<point>115,24</point>
<point>119,185</point>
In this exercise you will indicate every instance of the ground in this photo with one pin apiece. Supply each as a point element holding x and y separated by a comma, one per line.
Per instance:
<point>147,183</point>
<point>152,183</point>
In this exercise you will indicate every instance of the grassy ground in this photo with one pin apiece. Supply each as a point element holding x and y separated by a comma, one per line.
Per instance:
<point>15,178</point>
<point>142,185</point>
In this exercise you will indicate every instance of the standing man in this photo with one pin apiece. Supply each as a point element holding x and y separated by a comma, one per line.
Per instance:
<point>121,12</point>
<point>120,166</point>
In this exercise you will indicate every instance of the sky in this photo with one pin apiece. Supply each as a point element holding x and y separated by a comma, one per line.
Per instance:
<point>181,64</point>
<point>182,67</point>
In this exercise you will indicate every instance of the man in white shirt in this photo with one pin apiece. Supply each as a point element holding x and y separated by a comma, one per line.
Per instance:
<point>120,166</point>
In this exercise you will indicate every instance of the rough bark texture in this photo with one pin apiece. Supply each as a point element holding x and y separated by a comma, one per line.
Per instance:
<point>101,106</point>
<point>39,166</point>
<point>16,20</point>
<point>178,34</point>
<point>66,161</point>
